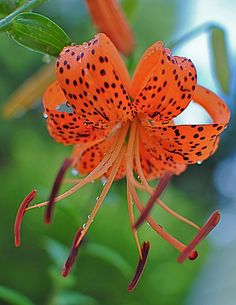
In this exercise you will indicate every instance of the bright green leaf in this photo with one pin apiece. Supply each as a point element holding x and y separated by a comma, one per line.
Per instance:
<point>109,256</point>
<point>220,57</point>
<point>38,33</point>
<point>13,297</point>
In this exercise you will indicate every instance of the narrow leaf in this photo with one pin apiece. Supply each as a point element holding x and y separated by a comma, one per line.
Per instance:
<point>220,57</point>
<point>108,255</point>
<point>13,297</point>
<point>38,33</point>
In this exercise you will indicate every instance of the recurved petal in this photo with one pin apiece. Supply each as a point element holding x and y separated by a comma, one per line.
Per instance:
<point>163,84</point>
<point>109,19</point>
<point>155,161</point>
<point>63,123</point>
<point>194,143</point>
<point>95,81</point>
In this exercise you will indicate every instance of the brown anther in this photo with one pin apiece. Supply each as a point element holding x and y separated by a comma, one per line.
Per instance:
<point>56,186</point>
<point>205,230</point>
<point>164,180</point>
<point>73,254</point>
<point>19,216</point>
<point>140,267</point>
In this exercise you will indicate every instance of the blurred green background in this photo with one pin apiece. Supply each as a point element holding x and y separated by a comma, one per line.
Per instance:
<point>29,159</point>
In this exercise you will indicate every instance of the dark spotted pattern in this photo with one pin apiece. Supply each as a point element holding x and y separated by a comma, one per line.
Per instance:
<point>93,86</point>
<point>167,86</point>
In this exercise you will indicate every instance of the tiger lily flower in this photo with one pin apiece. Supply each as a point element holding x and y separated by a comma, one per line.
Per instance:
<point>108,17</point>
<point>124,128</point>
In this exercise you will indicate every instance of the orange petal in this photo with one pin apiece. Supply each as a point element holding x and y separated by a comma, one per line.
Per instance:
<point>66,127</point>
<point>95,82</point>
<point>109,19</point>
<point>194,143</point>
<point>163,84</point>
<point>155,160</point>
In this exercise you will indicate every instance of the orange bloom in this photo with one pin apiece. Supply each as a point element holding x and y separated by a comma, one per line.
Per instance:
<point>119,127</point>
<point>109,19</point>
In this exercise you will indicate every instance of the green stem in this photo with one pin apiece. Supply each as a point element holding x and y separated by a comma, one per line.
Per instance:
<point>192,34</point>
<point>6,22</point>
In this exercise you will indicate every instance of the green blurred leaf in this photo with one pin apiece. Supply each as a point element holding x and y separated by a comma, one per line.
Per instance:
<point>8,6</point>
<point>109,256</point>
<point>220,57</point>
<point>57,251</point>
<point>13,297</point>
<point>130,7</point>
<point>38,33</point>
<point>60,281</point>
<point>73,298</point>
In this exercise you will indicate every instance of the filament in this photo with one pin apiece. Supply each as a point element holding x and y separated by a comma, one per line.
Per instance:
<point>104,192</point>
<point>102,167</point>
<point>150,191</point>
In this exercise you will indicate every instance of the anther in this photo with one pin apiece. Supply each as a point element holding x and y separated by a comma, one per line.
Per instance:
<point>140,267</point>
<point>73,254</point>
<point>205,230</point>
<point>19,216</point>
<point>49,209</point>
<point>164,180</point>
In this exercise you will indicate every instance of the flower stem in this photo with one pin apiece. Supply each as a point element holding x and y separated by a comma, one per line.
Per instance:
<point>5,23</point>
<point>204,28</point>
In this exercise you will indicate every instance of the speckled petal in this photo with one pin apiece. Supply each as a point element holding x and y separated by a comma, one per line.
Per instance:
<point>65,126</point>
<point>197,142</point>
<point>95,81</point>
<point>163,84</point>
<point>155,160</point>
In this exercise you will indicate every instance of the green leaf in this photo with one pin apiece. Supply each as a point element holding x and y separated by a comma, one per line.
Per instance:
<point>109,256</point>
<point>220,57</point>
<point>38,33</point>
<point>8,6</point>
<point>57,251</point>
<point>13,297</point>
<point>74,298</point>
<point>130,7</point>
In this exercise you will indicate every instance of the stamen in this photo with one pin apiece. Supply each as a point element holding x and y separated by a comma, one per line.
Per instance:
<point>48,213</point>
<point>140,267</point>
<point>103,194</point>
<point>205,230</point>
<point>131,189</point>
<point>131,217</point>
<point>150,190</point>
<point>164,180</point>
<point>19,216</point>
<point>73,254</point>
<point>99,171</point>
